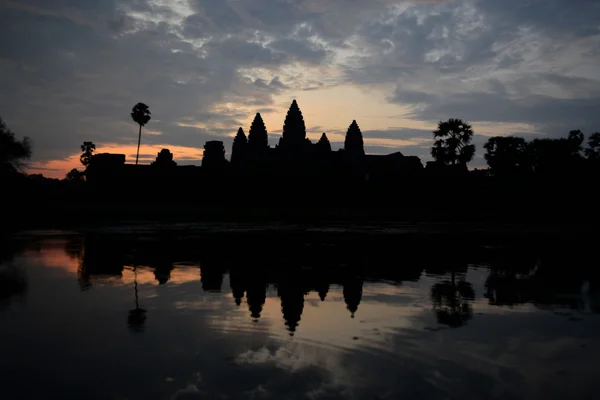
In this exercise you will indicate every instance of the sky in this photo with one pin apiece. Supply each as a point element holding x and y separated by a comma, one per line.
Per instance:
<point>71,70</point>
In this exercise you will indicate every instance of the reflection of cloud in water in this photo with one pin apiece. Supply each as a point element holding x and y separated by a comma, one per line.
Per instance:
<point>393,348</point>
<point>493,359</point>
<point>333,376</point>
<point>190,392</point>
<point>146,275</point>
<point>181,274</point>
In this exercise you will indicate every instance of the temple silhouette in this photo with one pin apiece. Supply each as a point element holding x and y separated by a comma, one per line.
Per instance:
<point>252,157</point>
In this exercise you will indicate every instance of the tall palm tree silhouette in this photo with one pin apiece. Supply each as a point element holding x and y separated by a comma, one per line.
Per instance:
<point>141,115</point>
<point>137,317</point>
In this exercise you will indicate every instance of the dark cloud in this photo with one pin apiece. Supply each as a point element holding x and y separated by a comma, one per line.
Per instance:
<point>302,50</point>
<point>70,70</point>
<point>514,61</point>
<point>538,110</point>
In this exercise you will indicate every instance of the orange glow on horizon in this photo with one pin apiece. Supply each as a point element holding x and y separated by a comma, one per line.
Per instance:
<point>59,168</point>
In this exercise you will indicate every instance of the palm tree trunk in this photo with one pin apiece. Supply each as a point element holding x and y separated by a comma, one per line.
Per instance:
<point>138,149</point>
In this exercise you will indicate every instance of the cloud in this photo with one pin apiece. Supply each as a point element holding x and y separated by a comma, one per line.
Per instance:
<point>191,392</point>
<point>485,61</point>
<point>72,70</point>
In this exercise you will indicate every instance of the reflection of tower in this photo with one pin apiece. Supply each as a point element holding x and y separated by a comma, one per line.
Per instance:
<point>256,296</point>
<point>211,276</point>
<point>353,293</point>
<point>162,272</point>
<point>237,284</point>
<point>292,304</point>
<point>74,247</point>
<point>101,256</point>
<point>322,288</point>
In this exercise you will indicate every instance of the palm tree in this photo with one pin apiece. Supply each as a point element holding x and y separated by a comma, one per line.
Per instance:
<point>141,115</point>
<point>592,152</point>
<point>88,149</point>
<point>12,151</point>
<point>452,142</point>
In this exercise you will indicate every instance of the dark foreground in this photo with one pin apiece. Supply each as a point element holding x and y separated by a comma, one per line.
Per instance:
<point>247,312</point>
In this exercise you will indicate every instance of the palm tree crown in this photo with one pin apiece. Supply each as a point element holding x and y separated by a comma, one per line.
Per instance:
<point>140,114</point>
<point>452,142</point>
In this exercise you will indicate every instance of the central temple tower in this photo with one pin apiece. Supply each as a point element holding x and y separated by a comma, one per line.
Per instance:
<point>293,138</point>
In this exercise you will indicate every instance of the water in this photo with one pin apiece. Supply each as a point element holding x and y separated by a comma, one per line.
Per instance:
<point>118,315</point>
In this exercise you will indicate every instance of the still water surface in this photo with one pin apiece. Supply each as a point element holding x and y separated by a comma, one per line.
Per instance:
<point>121,317</point>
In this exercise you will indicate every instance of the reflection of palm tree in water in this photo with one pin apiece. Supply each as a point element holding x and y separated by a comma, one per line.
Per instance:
<point>452,301</point>
<point>137,317</point>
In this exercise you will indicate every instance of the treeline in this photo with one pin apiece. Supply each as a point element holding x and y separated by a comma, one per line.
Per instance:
<point>511,155</point>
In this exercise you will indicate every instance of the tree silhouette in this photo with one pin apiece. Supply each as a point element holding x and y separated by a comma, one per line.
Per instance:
<point>88,149</point>
<point>508,155</point>
<point>12,151</point>
<point>164,159</point>
<point>294,129</point>
<point>452,142</point>
<point>592,152</point>
<point>238,150</point>
<point>557,155</point>
<point>576,141</point>
<point>258,139</point>
<point>74,176</point>
<point>353,143</point>
<point>141,115</point>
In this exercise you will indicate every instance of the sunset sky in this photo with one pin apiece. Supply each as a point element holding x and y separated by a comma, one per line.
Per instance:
<point>71,70</point>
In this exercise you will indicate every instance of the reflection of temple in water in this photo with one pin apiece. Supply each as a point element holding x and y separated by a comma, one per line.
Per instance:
<point>162,271</point>
<point>352,290</point>
<point>212,274</point>
<point>292,304</point>
<point>514,278</point>
<point>257,295</point>
<point>322,288</point>
<point>238,287</point>
<point>101,257</point>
